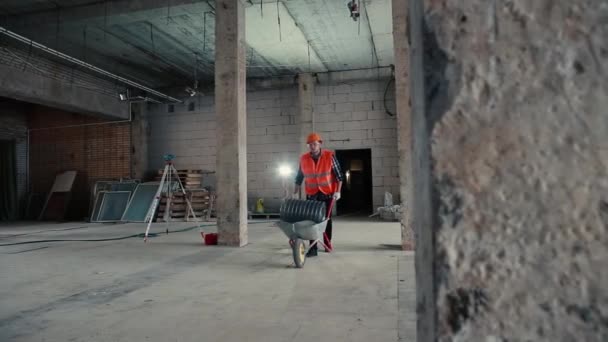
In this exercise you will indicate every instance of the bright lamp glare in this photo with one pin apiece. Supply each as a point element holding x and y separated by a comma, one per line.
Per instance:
<point>284,170</point>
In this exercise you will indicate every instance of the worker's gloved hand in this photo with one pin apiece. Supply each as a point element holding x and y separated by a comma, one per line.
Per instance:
<point>336,196</point>
<point>295,196</point>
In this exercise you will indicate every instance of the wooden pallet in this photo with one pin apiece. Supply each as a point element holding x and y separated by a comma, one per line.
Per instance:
<point>199,194</point>
<point>184,171</point>
<point>201,201</point>
<point>190,179</point>
<point>184,180</point>
<point>182,206</point>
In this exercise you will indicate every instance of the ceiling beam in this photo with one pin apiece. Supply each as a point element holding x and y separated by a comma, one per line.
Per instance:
<point>108,13</point>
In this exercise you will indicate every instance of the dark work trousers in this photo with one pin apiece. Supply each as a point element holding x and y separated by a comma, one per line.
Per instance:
<point>319,196</point>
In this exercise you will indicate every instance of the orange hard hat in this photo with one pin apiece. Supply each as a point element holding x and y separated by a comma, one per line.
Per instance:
<point>312,137</point>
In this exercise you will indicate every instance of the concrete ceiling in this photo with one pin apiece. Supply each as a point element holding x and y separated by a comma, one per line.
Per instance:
<point>165,42</point>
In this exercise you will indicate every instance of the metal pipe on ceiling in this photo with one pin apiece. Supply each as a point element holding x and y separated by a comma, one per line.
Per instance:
<point>91,67</point>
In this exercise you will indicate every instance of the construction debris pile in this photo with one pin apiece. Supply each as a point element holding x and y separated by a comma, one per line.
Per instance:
<point>390,211</point>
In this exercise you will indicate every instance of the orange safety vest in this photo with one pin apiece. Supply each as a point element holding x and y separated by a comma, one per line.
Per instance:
<point>318,176</point>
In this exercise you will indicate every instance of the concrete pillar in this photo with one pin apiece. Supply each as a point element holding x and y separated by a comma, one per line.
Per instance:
<point>420,203</point>
<point>230,102</point>
<point>520,170</point>
<point>306,93</point>
<point>306,118</point>
<point>402,96</point>
<point>140,131</point>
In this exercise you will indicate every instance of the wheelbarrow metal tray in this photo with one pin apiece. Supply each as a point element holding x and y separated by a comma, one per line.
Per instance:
<point>305,230</point>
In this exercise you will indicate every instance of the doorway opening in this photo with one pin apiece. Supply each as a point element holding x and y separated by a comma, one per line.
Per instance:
<point>357,197</point>
<point>8,180</point>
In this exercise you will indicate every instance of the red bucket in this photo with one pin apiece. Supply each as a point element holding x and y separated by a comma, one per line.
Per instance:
<point>211,239</point>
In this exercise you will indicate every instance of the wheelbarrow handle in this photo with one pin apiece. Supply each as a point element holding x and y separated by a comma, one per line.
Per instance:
<point>331,207</point>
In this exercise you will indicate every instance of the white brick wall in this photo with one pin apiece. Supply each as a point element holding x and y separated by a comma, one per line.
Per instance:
<point>360,117</point>
<point>352,112</point>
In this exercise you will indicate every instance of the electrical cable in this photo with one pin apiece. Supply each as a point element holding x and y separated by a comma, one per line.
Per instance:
<point>140,235</point>
<point>279,21</point>
<point>85,65</point>
<point>204,33</point>
<point>45,231</point>
<point>168,10</point>
<point>105,19</point>
<point>388,112</point>
<point>359,24</point>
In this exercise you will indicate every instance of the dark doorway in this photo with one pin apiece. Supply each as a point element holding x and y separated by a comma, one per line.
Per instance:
<point>8,180</point>
<point>357,187</point>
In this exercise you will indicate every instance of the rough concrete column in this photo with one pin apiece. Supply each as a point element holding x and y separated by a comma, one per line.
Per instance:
<point>139,140</point>
<point>520,168</point>
<point>230,102</point>
<point>402,96</point>
<point>419,187</point>
<point>306,91</point>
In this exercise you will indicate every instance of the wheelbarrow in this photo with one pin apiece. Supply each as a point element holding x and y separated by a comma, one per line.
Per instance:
<point>300,231</point>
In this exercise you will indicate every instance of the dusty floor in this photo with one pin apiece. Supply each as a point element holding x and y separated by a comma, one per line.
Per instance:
<point>176,289</point>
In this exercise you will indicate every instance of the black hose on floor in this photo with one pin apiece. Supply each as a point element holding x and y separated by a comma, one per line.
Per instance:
<point>140,235</point>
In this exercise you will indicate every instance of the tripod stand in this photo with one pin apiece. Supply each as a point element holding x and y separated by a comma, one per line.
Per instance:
<point>168,174</point>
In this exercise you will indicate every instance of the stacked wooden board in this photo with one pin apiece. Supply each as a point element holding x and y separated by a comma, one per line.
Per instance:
<point>175,207</point>
<point>202,203</point>
<point>191,179</point>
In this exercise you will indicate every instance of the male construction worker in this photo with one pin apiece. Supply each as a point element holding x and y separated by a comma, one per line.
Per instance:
<point>320,171</point>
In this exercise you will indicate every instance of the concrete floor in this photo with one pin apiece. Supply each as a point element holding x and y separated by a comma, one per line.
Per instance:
<point>176,289</point>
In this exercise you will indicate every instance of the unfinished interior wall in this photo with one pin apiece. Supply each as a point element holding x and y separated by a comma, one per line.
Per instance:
<point>186,130</point>
<point>97,152</point>
<point>13,126</point>
<point>518,96</point>
<point>354,116</point>
<point>348,115</point>
<point>272,140</point>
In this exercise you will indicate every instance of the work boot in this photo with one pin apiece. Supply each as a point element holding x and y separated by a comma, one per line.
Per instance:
<point>311,253</point>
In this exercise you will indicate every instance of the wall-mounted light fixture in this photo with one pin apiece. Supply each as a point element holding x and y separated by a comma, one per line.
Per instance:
<point>190,91</point>
<point>123,96</point>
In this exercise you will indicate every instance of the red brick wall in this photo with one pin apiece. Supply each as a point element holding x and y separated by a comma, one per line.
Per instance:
<point>95,151</point>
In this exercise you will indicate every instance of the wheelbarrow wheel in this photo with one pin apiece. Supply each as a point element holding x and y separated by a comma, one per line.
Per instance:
<point>299,253</point>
